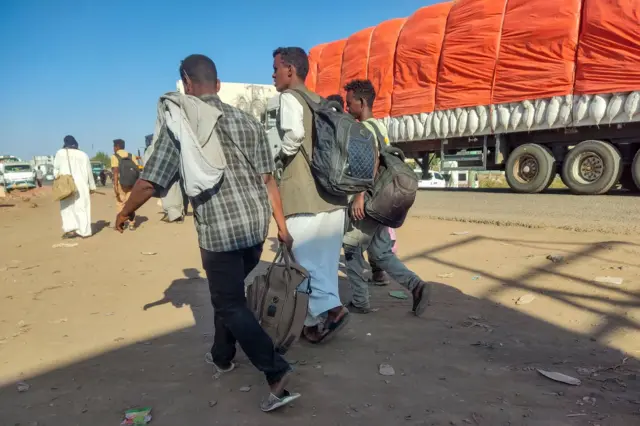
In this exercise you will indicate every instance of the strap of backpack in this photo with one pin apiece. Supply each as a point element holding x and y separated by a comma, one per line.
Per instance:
<point>379,136</point>
<point>312,104</point>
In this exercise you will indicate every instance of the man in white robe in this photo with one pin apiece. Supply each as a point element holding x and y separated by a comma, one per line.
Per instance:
<point>76,209</point>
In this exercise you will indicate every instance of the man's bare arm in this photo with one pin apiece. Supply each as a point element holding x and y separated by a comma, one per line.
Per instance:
<point>278,211</point>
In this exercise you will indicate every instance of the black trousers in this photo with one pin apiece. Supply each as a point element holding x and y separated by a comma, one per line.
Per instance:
<point>233,320</point>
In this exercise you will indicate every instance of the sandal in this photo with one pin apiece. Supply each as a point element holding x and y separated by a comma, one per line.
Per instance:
<point>333,327</point>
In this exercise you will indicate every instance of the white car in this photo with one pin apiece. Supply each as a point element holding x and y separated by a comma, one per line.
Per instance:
<point>435,181</point>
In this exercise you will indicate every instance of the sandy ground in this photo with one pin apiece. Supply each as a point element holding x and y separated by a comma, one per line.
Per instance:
<point>74,328</point>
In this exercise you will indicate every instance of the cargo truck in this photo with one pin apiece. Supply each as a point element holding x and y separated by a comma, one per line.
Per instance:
<point>534,88</point>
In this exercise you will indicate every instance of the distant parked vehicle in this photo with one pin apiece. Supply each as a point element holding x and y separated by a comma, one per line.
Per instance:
<point>433,180</point>
<point>18,176</point>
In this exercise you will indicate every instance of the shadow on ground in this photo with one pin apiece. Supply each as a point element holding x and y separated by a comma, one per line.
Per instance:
<point>469,361</point>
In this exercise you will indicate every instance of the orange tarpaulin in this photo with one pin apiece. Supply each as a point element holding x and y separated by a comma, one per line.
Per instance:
<point>537,50</point>
<point>314,58</point>
<point>381,58</point>
<point>609,50</point>
<point>469,52</point>
<point>355,57</point>
<point>329,68</point>
<point>481,52</point>
<point>416,62</point>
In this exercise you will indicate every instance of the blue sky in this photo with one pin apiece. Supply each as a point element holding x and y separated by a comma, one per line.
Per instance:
<point>95,68</point>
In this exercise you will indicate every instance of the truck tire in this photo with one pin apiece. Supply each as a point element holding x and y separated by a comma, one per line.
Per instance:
<point>635,170</point>
<point>626,180</point>
<point>530,168</point>
<point>592,168</point>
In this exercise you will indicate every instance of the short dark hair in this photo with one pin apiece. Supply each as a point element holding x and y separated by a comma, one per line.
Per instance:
<point>118,143</point>
<point>199,69</point>
<point>338,98</point>
<point>296,57</point>
<point>362,89</point>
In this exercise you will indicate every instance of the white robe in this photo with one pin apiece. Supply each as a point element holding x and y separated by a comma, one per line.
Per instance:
<point>76,210</point>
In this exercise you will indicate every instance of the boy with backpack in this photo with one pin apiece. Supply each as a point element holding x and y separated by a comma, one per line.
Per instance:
<point>366,233</point>
<point>125,174</point>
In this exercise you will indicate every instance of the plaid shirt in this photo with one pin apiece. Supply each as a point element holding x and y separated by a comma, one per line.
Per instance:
<point>237,216</point>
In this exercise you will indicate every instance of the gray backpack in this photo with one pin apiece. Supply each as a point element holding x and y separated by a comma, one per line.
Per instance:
<point>280,298</point>
<point>344,153</point>
<point>394,190</point>
<point>128,172</point>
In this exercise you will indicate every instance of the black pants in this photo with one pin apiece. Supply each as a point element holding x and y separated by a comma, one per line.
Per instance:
<point>233,320</point>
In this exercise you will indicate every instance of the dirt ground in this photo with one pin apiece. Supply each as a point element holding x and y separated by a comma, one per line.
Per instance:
<point>73,326</point>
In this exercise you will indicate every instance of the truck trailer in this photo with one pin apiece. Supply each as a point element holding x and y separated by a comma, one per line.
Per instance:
<point>534,88</point>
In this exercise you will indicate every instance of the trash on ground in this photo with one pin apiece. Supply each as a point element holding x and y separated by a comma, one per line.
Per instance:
<point>149,253</point>
<point>23,386</point>
<point>461,233</point>
<point>245,389</point>
<point>556,258</point>
<point>526,299</point>
<point>559,377</point>
<point>137,416</point>
<point>398,295</point>
<point>610,280</point>
<point>476,277</point>
<point>386,370</point>
<point>213,403</point>
<point>64,245</point>
<point>447,275</point>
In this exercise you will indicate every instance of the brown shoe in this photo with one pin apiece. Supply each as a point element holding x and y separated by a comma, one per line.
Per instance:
<point>380,278</point>
<point>421,298</point>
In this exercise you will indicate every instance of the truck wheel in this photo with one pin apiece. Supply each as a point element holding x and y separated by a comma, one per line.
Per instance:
<point>592,168</point>
<point>530,168</point>
<point>635,170</point>
<point>626,180</point>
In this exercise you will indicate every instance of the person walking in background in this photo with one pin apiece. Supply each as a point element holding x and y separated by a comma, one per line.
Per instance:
<point>314,217</point>
<point>232,213</point>
<point>75,209</point>
<point>363,233</point>
<point>125,171</point>
<point>39,177</point>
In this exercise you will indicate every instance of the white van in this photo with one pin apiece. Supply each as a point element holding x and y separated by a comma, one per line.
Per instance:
<point>18,176</point>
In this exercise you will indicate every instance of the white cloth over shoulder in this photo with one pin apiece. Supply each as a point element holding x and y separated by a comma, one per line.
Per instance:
<point>76,209</point>
<point>192,122</point>
<point>291,124</point>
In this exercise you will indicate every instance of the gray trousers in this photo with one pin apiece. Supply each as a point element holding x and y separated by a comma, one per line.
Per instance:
<point>368,235</point>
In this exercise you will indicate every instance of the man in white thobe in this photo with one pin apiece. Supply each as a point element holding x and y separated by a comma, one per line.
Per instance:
<point>76,209</point>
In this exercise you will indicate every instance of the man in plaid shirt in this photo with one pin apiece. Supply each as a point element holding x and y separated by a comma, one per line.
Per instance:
<point>232,221</point>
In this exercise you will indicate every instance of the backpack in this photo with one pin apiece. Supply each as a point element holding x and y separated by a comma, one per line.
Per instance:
<point>128,172</point>
<point>394,190</point>
<point>278,302</point>
<point>344,154</point>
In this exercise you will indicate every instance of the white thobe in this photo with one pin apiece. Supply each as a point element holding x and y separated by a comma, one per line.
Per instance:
<point>76,209</point>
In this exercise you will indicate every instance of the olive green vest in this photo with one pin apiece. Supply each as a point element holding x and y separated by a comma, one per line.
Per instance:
<point>299,190</point>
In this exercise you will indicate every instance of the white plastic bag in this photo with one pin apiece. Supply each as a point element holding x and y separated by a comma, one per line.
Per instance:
<point>581,110</point>
<point>427,125</point>
<point>402,129</point>
<point>418,127</point>
<point>631,104</point>
<point>453,122</point>
<point>529,114</point>
<point>598,109</point>
<point>437,124</point>
<point>614,108</point>
<point>541,111</point>
<point>503,116</point>
<point>483,118</point>
<point>410,128</point>
<point>473,121</point>
<point>393,129</point>
<point>553,110</point>
<point>516,116</point>
<point>564,115</point>
<point>462,122</point>
<point>494,118</point>
<point>444,123</point>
